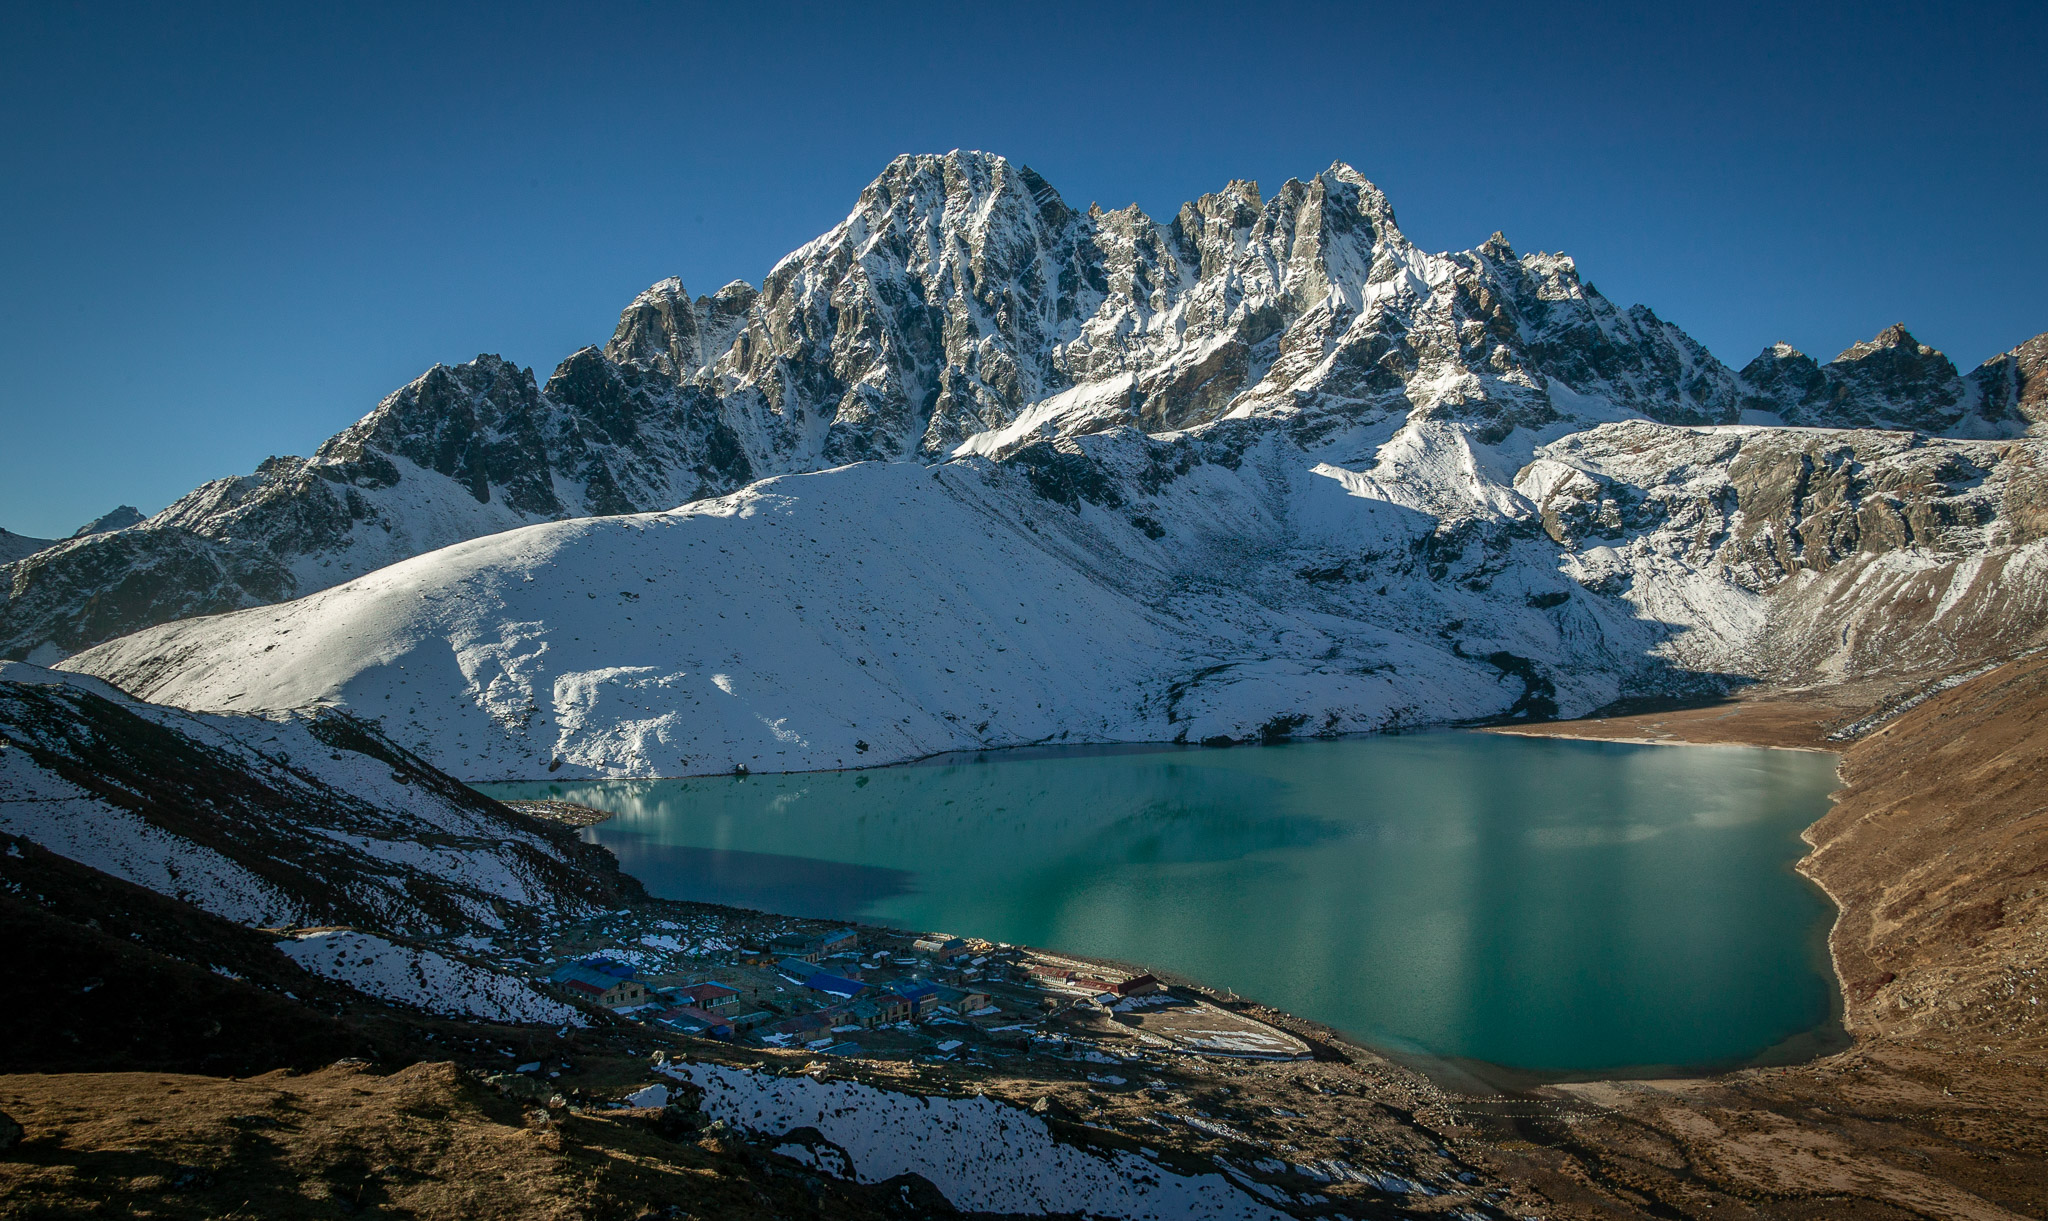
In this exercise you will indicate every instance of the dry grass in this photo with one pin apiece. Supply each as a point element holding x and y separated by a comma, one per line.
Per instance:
<point>426,1141</point>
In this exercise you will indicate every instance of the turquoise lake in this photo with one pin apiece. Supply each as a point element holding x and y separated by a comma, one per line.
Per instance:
<point>1549,905</point>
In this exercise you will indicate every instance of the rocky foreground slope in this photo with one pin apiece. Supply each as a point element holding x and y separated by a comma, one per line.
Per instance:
<point>293,821</point>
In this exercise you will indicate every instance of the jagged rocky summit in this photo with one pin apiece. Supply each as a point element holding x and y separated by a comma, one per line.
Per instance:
<point>1306,475</point>
<point>963,305</point>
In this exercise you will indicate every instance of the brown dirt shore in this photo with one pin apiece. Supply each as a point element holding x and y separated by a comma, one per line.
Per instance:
<point>1936,852</point>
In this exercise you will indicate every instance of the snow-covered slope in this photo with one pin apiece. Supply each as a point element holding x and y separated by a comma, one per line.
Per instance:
<point>424,979</point>
<point>963,307</point>
<point>885,610</point>
<point>294,820</point>
<point>1227,582</point>
<point>982,1155</point>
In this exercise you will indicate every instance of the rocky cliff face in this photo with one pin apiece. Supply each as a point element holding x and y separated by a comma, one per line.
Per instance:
<point>964,303</point>
<point>964,308</point>
<point>1895,381</point>
<point>2015,383</point>
<point>1806,555</point>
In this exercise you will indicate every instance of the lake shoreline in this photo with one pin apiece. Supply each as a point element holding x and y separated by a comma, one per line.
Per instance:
<point>1584,735</point>
<point>1936,1044</point>
<point>1348,831</point>
<point>1915,1084</point>
<point>1586,728</point>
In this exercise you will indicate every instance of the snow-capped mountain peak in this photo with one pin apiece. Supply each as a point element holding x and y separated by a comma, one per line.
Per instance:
<point>963,307</point>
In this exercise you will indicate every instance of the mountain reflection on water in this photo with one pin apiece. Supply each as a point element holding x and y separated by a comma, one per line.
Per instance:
<point>1545,904</point>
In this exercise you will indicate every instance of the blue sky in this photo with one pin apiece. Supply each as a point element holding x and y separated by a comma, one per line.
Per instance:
<point>227,234</point>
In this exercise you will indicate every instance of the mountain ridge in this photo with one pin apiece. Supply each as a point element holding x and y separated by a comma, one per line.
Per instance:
<point>1482,417</point>
<point>1226,584</point>
<point>880,340</point>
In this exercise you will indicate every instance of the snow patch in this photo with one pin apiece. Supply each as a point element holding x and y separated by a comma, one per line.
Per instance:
<point>981,1154</point>
<point>424,979</point>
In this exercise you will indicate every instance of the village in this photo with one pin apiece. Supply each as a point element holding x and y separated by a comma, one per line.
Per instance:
<point>1173,1078</point>
<point>879,994</point>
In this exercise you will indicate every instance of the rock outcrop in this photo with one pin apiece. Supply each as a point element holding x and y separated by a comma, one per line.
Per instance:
<point>1801,555</point>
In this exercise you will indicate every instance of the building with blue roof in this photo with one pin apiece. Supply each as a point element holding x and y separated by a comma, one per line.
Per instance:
<point>797,969</point>
<point>835,986</point>
<point>919,994</point>
<point>601,982</point>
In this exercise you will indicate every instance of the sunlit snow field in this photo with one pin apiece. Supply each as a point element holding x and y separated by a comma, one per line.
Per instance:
<point>1544,904</point>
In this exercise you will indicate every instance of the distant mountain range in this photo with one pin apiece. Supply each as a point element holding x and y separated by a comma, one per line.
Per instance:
<point>976,468</point>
